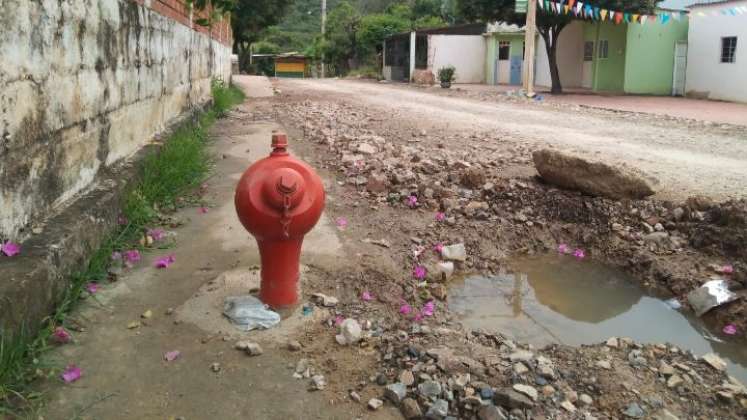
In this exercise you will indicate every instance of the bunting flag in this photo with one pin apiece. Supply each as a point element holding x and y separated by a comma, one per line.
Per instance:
<point>635,17</point>
<point>587,11</point>
<point>579,7</point>
<point>596,13</point>
<point>618,17</point>
<point>541,4</point>
<point>643,19</point>
<point>603,14</point>
<point>626,17</point>
<point>612,15</point>
<point>571,3</point>
<point>566,8</point>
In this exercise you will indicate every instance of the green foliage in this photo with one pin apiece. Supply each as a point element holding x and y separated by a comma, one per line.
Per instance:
<point>164,175</point>
<point>376,27</point>
<point>339,44</point>
<point>446,74</point>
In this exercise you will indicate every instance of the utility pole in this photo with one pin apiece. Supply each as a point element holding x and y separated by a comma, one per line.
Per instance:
<point>324,27</point>
<point>530,35</point>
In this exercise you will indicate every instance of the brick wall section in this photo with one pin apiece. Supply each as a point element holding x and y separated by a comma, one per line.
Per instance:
<point>180,12</point>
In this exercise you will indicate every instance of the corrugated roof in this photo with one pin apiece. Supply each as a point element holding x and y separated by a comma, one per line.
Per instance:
<point>711,2</point>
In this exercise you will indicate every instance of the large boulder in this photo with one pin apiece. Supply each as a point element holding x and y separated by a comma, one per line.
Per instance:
<point>592,178</point>
<point>423,77</point>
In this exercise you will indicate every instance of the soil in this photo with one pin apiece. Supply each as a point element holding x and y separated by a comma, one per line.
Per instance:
<point>456,157</point>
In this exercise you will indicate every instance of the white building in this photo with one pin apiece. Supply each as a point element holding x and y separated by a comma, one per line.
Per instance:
<point>428,50</point>
<point>717,51</point>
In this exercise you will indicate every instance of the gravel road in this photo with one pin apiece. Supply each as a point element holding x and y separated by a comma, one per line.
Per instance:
<point>683,159</point>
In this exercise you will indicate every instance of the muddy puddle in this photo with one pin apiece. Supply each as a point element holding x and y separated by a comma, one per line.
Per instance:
<point>558,299</point>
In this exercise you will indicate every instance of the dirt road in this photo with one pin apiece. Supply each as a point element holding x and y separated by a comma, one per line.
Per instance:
<point>685,159</point>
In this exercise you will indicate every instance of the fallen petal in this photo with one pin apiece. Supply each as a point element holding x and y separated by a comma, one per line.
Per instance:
<point>71,374</point>
<point>10,248</point>
<point>419,272</point>
<point>170,356</point>
<point>132,256</point>
<point>429,308</point>
<point>730,329</point>
<point>440,216</point>
<point>61,336</point>
<point>203,210</point>
<point>563,249</point>
<point>92,288</point>
<point>366,296</point>
<point>342,222</point>
<point>405,309</point>
<point>165,262</point>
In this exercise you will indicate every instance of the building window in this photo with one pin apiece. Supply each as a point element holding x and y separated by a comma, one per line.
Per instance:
<point>504,48</point>
<point>604,47</point>
<point>589,51</point>
<point>728,49</point>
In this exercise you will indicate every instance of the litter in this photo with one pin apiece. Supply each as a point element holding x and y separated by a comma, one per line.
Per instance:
<point>710,295</point>
<point>248,313</point>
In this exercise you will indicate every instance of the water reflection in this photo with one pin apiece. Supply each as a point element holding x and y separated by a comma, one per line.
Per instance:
<point>570,302</point>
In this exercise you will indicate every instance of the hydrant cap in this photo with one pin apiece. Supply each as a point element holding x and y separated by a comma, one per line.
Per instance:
<point>279,143</point>
<point>284,188</point>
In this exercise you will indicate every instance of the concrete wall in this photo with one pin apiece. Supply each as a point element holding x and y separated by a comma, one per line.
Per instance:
<point>465,52</point>
<point>515,50</point>
<point>649,62</point>
<point>706,75</point>
<point>85,84</point>
<point>570,56</point>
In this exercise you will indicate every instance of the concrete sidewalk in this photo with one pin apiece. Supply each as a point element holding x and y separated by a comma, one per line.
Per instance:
<point>696,109</point>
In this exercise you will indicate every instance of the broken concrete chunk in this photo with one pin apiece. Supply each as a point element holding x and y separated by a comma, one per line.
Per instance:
<point>253,349</point>
<point>375,403</point>
<point>592,178</point>
<point>710,295</point>
<point>714,361</point>
<point>318,383</point>
<point>527,390</point>
<point>395,392</point>
<point>350,332</point>
<point>455,252</point>
<point>438,410</point>
<point>324,300</point>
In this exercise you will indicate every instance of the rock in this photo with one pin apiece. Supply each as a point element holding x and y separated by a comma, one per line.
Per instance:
<point>377,183</point>
<point>664,414</point>
<point>253,349</point>
<point>634,411</point>
<point>132,325</point>
<point>674,381</point>
<point>366,149</point>
<point>324,300</point>
<point>612,342</point>
<point>658,238</point>
<point>586,399</point>
<point>455,252</point>
<point>491,412</point>
<point>472,177</point>
<point>604,364</point>
<point>438,410</point>
<point>375,403</point>
<point>318,383</point>
<point>407,378</point>
<point>665,369</point>
<point>410,409</point>
<point>527,390</point>
<point>521,356</point>
<point>592,178</point>
<point>302,366</point>
<point>381,379</point>
<point>678,213</point>
<point>215,367</point>
<point>355,396</point>
<point>147,314</point>
<point>714,361</point>
<point>294,345</point>
<point>350,332</point>
<point>423,77</point>
<point>444,269</point>
<point>568,406</point>
<point>395,392</point>
<point>487,393</point>
<point>511,399</point>
<point>429,389</point>
<point>520,368</point>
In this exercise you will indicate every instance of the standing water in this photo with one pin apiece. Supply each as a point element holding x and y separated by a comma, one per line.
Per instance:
<point>560,300</point>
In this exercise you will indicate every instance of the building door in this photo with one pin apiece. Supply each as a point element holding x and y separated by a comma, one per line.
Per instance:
<point>504,62</point>
<point>587,70</point>
<point>680,68</point>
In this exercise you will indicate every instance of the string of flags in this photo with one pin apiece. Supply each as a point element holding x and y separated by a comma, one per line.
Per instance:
<point>589,11</point>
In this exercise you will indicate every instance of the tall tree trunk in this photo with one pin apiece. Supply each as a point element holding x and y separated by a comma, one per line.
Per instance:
<point>551,45</point>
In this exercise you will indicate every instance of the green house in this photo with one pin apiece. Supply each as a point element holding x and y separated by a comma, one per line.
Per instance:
<point>599,56</point>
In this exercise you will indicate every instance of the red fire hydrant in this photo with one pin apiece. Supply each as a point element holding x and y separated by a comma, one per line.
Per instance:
<point>278,200</point>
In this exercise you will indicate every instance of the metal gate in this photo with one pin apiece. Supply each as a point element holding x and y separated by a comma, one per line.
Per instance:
<point>680,68</point>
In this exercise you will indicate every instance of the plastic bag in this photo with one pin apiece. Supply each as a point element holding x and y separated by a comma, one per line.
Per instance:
<point>247,312</point>
<point>710,295</point>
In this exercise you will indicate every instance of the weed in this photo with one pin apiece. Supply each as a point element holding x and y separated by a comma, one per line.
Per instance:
<point>164,175</point>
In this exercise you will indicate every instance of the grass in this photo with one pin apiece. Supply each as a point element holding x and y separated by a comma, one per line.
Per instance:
<point>164,176</point>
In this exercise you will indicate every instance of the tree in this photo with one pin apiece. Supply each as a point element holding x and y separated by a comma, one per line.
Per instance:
<point>249,18</point>
<point>549,25</point>
<point>340,41</point>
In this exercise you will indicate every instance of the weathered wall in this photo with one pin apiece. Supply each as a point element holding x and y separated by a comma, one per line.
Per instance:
<point>570,56</point>
<point>85,84</point>
<point>465,52</point>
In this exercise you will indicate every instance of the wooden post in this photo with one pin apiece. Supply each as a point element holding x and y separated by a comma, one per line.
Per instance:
<point>530,36</point>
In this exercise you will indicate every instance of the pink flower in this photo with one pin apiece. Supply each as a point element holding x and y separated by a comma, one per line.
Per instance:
<point>366,296</point>
<point>405,309</point>
<point>338,320</point>
<point>419,272</point>
<point>122,220</point>
<point>412,201</point>
<point>579,254</point>
<point>563,249</point>
<point>428,309</point>
<point>10,248</point>
<point>440,216</point>
<point>71,374</point>
<point>730,329</point>
<point>156,234</point>
<point>727,269</point>
<point>342,222</point>
<point>60,335</point>
<point>92,288</point>
<point>170,356</point>
<point>418,317</point>
<point>438,247</point>
<point>132,256</point>
<point>202,210</point>
<point>165,262</point>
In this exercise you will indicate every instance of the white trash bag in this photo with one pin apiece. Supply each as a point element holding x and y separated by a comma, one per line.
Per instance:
<point>248,313</point>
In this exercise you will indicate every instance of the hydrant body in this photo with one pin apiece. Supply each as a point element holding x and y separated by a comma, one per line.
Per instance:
<point>278,200</point>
